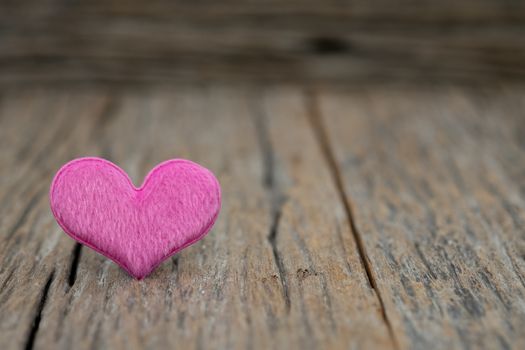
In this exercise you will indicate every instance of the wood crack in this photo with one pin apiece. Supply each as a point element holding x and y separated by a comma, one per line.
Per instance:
<point>265,145</point>
<point>314,115</point>
<point>38,315</point>
<point>75,259</point>
<point>6,281</point>
<point>276,197</point>
<point>276,217</point>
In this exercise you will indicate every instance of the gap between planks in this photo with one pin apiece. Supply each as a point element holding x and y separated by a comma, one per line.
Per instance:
<point>33,330</point>
<point>314,115</point>
<point>277,199</point>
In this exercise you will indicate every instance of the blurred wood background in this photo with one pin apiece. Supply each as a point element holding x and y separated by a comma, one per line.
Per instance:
<point>348,41</point>
<point>371,156</point>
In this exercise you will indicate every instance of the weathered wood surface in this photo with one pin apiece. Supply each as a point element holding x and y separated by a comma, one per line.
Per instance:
<point>436,183</point>
<point>378,219</point>
<point>349,41</point>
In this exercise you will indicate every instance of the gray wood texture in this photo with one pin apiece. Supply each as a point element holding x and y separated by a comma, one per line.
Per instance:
<point>436,186</point>
<point>377,218</point>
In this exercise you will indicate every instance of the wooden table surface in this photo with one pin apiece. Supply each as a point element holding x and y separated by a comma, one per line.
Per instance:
<point>374,218</point>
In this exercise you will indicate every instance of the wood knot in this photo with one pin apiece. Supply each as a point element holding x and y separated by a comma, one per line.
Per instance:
<point>328,45</point>
<point>304,273</point>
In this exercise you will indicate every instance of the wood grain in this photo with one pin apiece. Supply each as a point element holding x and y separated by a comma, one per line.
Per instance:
<point>280,268</point>
<point>378,219</point>
<point>435,183</point>
<point>352,42</point>
<point>38,133</point>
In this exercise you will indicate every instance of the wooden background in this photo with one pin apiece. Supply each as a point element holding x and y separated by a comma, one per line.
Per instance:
<point>294,40</point>
<point>371,157</point>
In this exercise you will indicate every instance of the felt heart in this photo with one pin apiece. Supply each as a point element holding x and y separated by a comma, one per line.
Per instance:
<point>95,202</point>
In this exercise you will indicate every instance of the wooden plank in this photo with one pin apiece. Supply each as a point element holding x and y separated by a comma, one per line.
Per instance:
<point>435,183</point>
<point>129,41</point>
<point>330,286</point>
<point>38,133</point>
<point>280,268</point>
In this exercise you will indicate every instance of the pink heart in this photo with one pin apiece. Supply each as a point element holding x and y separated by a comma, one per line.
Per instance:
<point>95,202</point>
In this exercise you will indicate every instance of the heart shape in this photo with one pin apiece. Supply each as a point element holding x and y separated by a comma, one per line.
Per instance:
<point>96,203</point>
